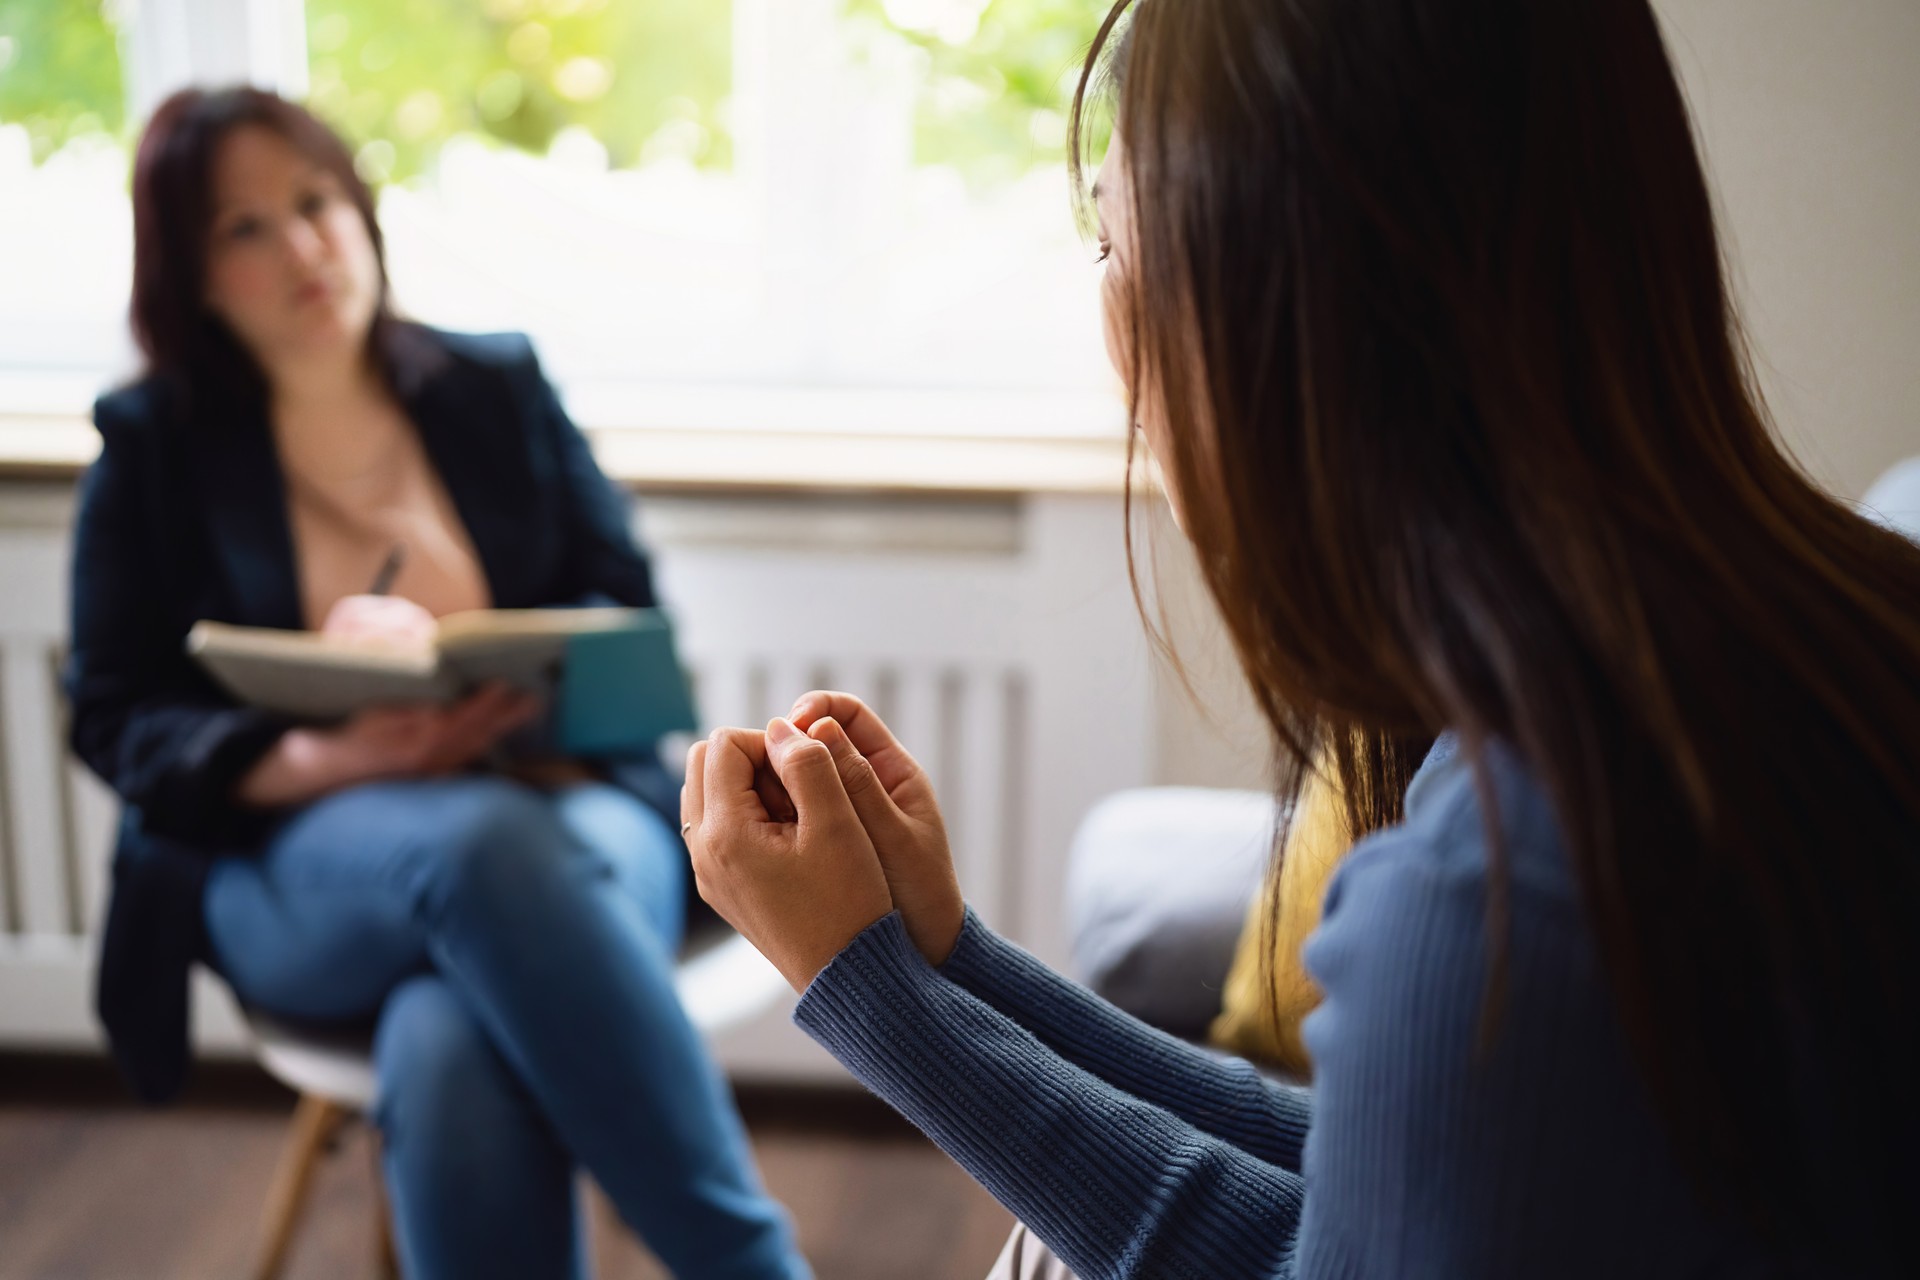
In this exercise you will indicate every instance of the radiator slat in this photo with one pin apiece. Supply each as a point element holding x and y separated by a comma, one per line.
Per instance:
<point>33,785</point>
<point>726,695</point>
<point>93,820</point>
<point>916,719</point>
<point>787,678</point>
<point>69,853</point>
<point>976,813</point>
<point>12,852</point>
<point>878,684</point>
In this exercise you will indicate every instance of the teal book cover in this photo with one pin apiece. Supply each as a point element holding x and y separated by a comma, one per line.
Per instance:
<point>623,690</point>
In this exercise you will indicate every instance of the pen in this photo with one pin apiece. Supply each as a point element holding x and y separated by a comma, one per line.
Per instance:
<point>389,570</point>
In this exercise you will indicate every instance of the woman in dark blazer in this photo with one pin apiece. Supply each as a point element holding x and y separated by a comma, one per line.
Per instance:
<point>513,938</point>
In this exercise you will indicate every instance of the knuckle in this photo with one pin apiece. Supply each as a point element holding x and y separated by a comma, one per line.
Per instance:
<point>738,739</point>
<point>856,774</point>
<point>808,753</point>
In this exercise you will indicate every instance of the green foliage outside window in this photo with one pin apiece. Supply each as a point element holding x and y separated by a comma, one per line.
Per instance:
<point>1000,77</point>
<point>644,77</point>
<point>59,72</point>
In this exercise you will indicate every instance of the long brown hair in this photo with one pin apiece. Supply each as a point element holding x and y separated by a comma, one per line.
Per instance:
<point>182,340</point>
<point>1466,439</point>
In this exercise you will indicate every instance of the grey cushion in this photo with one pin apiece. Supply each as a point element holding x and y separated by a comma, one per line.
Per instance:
<point>1158,885</point>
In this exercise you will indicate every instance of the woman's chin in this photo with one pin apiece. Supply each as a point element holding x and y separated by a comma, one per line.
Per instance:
<point>323,331</point>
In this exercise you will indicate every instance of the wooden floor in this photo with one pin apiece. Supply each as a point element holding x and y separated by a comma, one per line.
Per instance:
<point>93,1188</point>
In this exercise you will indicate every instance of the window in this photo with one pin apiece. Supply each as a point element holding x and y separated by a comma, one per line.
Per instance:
<point>762,213</point>
<point>806,214</point>
<point>66,231</point>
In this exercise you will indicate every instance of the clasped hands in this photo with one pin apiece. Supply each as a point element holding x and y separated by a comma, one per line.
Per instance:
<point>805,833</point>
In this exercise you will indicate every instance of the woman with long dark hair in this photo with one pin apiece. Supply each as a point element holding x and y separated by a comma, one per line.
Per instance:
<point>1423,315</point>
<point>512,938</point>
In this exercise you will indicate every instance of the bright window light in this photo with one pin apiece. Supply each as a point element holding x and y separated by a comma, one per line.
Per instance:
<point>777,214</point>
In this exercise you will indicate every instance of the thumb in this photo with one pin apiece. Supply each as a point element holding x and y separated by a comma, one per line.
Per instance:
<point>806,769</point>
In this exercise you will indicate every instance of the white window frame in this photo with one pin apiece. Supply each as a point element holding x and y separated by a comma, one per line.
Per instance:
<point>786,118</point>
<point>168,44</point>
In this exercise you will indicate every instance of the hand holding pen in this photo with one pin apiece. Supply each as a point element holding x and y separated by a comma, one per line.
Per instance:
<point>380,618</point>
<point>385,742</point>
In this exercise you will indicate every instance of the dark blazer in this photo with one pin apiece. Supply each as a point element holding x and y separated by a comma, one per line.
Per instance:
<point>184,517</point>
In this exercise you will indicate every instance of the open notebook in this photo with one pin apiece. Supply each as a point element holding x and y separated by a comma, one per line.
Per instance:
<point>611,675</point>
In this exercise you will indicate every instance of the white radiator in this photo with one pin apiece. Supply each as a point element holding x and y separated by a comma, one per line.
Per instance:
<point>997,636</point>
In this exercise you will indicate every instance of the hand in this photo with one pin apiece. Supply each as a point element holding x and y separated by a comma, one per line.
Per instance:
<point>431,741</point>
<point>799,890</point>
<point>386,622</point>
<point>386,742</point>
<point>895,801</point>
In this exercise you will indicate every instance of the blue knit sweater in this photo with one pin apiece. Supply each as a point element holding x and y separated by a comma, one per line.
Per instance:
<point>1131,1153</point>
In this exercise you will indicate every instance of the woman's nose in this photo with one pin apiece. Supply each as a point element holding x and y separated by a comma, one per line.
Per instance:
<point>303,242</point>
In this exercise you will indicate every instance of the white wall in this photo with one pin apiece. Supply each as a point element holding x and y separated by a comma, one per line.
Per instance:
<point>1809,111</point>
<point>1810,115</point>
<point>1209,735</point>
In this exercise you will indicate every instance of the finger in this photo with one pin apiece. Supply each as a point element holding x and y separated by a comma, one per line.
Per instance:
<point>856,774</point>
<point>878,813</point>
<point>502,703</point>
<point>520,710</point>
<point>446,749</point>
<point>849,709</point>
<point>807,770</point>
<point>492,693</point>
<point>468,709</point>
<point>490,710</point>
<point>733,756</point>
<point>400,737</point>
<point>386,618</point>
<point>862,724</point>
<point>343,617</point>
<point>469,729</point>
<point>388,718</point>
<point>773,795</point>
<point>693,792</point>
<point>471,720</point>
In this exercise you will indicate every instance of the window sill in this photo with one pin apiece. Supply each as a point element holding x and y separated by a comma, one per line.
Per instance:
<point>654,459</point>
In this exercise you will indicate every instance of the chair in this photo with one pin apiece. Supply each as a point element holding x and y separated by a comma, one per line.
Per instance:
<point>722,982</point>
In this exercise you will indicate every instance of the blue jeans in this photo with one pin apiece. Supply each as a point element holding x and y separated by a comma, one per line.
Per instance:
<point>517,947</point>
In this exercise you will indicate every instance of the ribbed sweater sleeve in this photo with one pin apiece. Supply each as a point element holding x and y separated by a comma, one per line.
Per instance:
<point>1222,1096</point>
<point>1114,1185</point>
<point>1430,1155</point>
